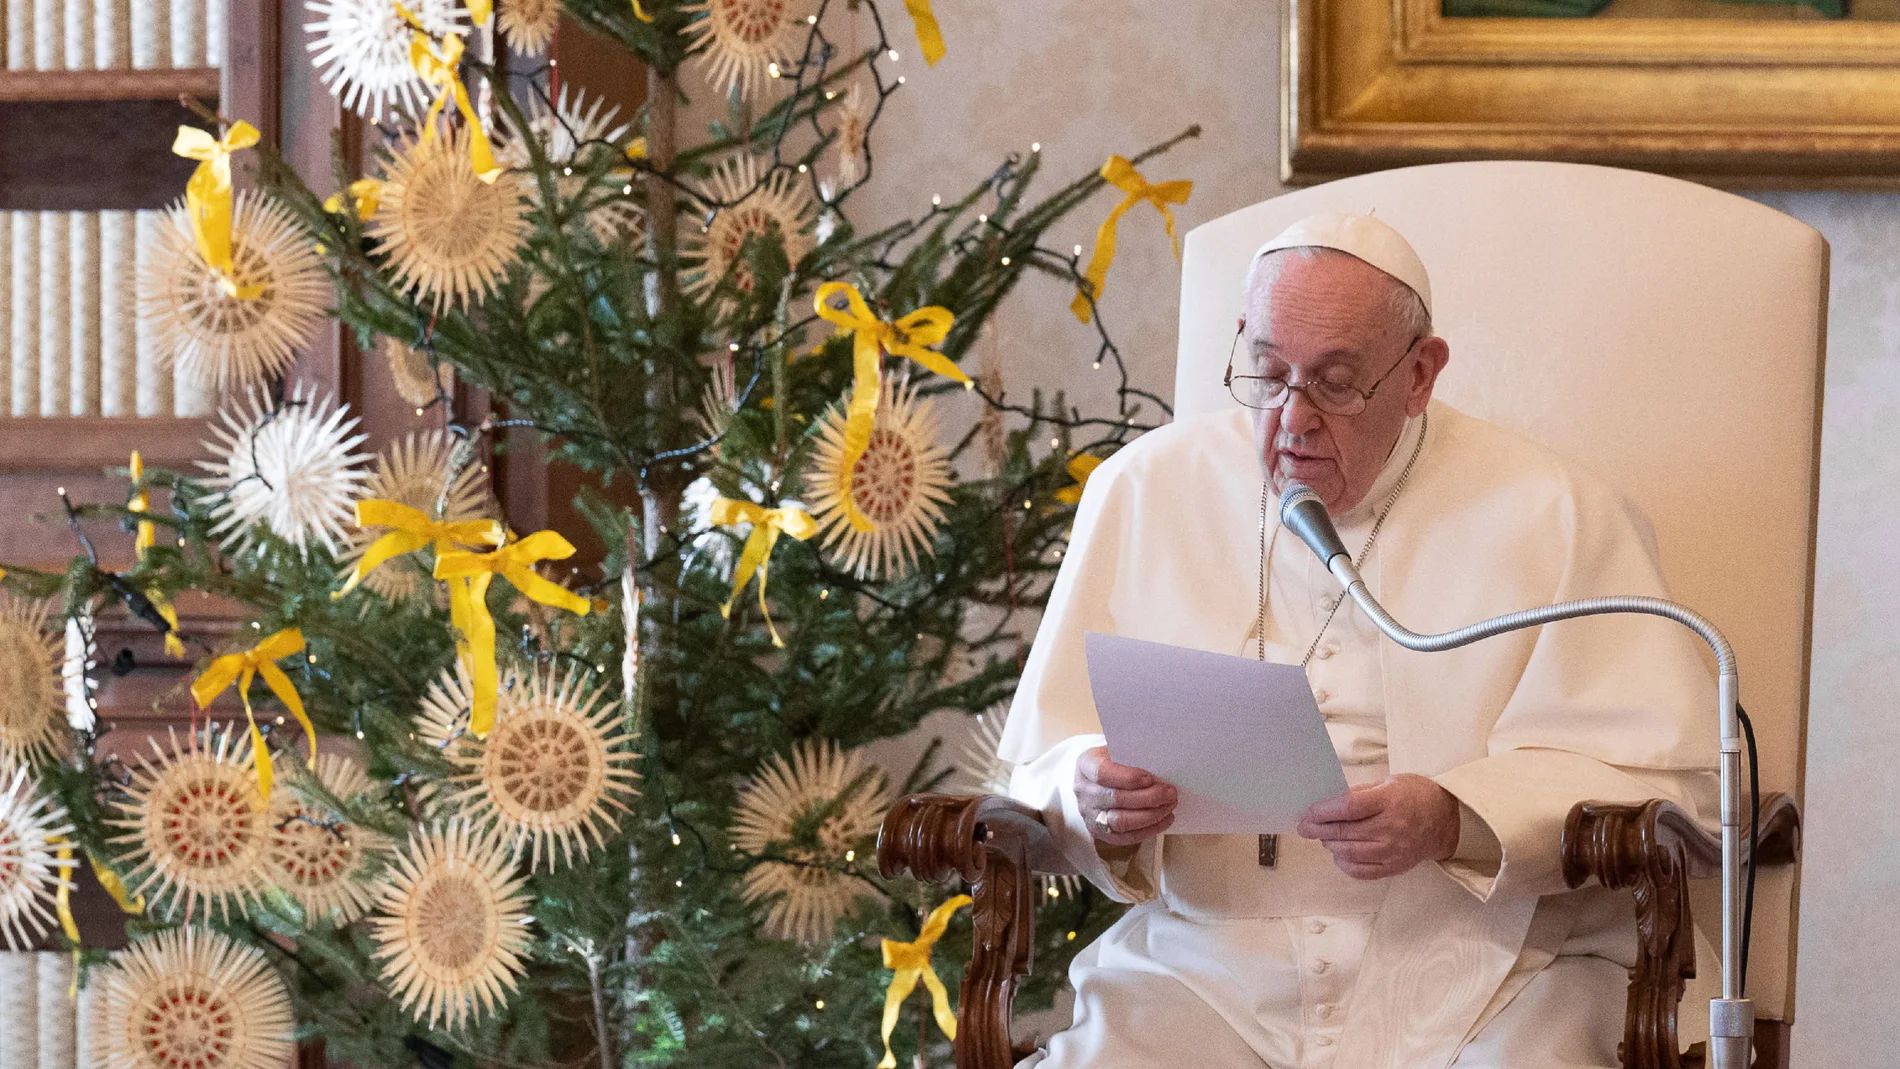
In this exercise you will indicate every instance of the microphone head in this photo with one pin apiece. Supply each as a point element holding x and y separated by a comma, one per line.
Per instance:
<point>1295,495</point>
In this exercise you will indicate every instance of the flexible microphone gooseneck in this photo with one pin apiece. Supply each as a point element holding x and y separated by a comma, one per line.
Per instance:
<point>1732,1016</point>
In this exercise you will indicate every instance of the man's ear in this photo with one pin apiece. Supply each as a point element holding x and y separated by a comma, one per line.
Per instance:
<point>1432,356</point>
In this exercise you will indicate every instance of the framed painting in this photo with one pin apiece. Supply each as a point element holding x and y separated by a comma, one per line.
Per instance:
<point>1738,93</point>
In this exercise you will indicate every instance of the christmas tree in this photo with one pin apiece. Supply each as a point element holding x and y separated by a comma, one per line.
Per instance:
<point>615,817</point>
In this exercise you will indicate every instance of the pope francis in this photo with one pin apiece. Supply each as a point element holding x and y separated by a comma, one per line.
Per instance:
<point>1420,920</point>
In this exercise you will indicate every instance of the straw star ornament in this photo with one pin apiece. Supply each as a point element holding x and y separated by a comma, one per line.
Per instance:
<point>419,381</point>
<point>196,826</point>
<point>742,42</point>
<point>445,234</point>
<point>779,203</point>
<point>189,998</point>
<point>32,699</point>
<point>452,925</point>
<point>318,858</point>
<point>554,772</point>
<point>237,336</point>
<point>529,25</point>
<point>812,812</point>
<point>575,135</point>
<point>899,486</point>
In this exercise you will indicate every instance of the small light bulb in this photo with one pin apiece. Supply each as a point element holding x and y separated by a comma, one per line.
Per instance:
<point>1054,892</point>
<point>1071,937</point>
<point>567,171</point>
<point>802,168</point>
<point>820,1004</point>
<point>1097,365</point>
<point>893,54</point>
<point>1035,146</point>
<point>554,62</point>
<point>830,95</point>
<point>1027,505</point>
<point>679,883</point>
<point>676,838</point>
<point>811,20</point>
<point>732,346</point>
<point>629,189</point>
<point>255,626</point>
<point>418,411</point>
<point>900,79</point>
<point>61,491</point>
<point>1078,250</point>
<point>772,70</point>
<point>982,218</point>
<point>936,200</point>
<point>280,721</point>
<point>1055,443</point>
<point>850,855</point>
<point>823,594</point>
<point>359,734</point>
<point>312,658</point>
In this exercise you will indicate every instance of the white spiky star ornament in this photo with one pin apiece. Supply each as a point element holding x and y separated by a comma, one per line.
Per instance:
<point>809,890</point>
<point>417,470</point>
<point>31,870</point>
<point>222,341</point>
<point>361,50</point>
<point>291,470</point>
<point>740,42</point>
<point>854,136</point>
<point>780,201</point>
<point>189,998</point>
<point>32,704</point>
<point>552,774</point>
<point>445,234</point>
<point>451,925</point>
<point>900,485</point>
<point>574,135</point>
<point>315,855</point>
<point>196,826</point>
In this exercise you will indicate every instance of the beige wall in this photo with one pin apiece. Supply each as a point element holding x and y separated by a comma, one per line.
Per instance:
<point>1089,77</point>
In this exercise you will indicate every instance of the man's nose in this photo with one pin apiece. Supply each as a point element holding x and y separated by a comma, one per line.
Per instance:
<point>1299,416</point>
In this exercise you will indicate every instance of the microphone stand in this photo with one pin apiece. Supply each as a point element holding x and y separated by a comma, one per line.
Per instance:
<point>1732,1016</point>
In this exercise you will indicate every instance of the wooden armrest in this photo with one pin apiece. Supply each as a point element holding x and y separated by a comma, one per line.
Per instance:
<point>995,844</point>
<point>1655,849</point>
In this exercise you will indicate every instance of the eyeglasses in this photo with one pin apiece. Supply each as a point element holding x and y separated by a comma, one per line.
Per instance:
<point>1273,391</point>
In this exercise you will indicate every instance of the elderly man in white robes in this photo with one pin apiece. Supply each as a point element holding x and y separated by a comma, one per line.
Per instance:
<point>1420,920</point>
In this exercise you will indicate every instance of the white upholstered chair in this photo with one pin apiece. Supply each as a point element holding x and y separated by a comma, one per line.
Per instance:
<point>1665,335</point>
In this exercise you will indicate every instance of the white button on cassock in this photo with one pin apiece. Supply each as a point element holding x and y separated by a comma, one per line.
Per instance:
<point>1316,927</point>
<point>1323,1041</point>
<point>1320,966</point>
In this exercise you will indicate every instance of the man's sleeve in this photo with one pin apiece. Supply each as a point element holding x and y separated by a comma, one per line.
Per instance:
<point>1053,720</point>
<point>1613,708</point>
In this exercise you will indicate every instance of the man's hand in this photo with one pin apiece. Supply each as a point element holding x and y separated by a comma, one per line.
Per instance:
<point>1123,805</point>
<point>1385,829</point>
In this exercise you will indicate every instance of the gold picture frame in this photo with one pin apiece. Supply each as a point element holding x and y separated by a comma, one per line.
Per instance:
<point>1373,84</point>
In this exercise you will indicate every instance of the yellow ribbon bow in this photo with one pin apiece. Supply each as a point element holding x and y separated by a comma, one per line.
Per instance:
<point>872,337</point>
<point>442,68</point>
<point>1122,175</point>
<point>366,194</point>
<point>911,962</point>
<point>475,626</point>
<point>412,530</point>
<point>1081,466</point>
<point>929,36</point>
<point>767,525</point>
<point>208,198</point>
<point>145,538</point>
<point>241,668</point>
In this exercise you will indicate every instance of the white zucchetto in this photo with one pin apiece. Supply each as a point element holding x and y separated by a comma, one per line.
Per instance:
<point>1361,236</point>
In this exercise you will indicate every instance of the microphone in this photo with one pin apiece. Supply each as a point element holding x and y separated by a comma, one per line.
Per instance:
<point>1732,1015</point>
<point>1303,513</point>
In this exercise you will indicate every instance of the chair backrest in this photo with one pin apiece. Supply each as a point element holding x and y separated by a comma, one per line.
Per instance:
<point>1665,335</point>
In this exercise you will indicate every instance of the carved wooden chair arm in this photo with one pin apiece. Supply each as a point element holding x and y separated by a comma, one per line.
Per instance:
<point>1655,849</point>
<point>996,845</point>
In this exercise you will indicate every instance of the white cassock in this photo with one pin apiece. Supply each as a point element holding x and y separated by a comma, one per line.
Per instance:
<point>1483,960</point>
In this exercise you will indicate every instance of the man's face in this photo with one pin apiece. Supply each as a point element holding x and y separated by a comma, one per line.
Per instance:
<point>1331,318</point>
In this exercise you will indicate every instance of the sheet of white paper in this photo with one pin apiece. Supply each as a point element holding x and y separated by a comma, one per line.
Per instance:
<point>1242,739</point>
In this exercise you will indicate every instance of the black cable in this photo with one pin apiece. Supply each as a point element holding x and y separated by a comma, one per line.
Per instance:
<point>1754,836</point>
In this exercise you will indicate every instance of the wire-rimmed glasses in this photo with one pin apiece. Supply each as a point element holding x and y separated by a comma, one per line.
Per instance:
<point>1336,398</point>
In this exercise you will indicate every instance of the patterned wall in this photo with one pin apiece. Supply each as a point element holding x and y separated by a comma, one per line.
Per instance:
<point>1088,77</point>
